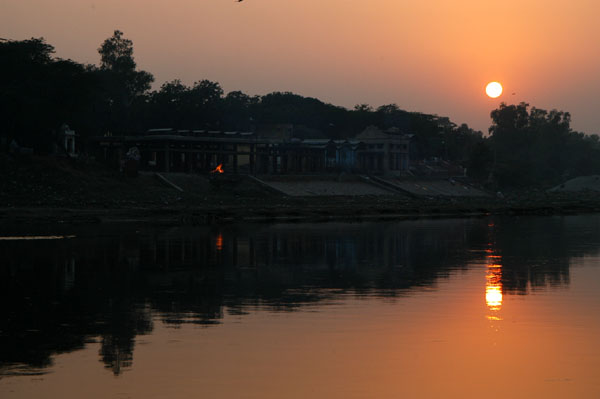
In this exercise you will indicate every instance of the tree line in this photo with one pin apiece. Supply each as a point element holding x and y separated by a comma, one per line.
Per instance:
<point>40,92</point>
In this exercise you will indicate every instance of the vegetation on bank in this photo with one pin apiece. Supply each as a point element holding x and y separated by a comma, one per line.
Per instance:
<point>525,147</point>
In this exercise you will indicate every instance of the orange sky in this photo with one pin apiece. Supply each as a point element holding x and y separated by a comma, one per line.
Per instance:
<point>432,56</point>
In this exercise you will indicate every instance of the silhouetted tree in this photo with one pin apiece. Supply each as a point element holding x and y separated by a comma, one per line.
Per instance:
<point>168,105</point>
<point>237,108</point>
<point>40,93</point>
<point>116,55</point>
<point>537,147</point>
<point>479,160</point>
<point>121,81</point>
<point>527,146</point>
<point>204,104</point>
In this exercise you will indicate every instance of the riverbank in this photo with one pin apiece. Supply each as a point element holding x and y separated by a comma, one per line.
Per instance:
<point>52,190</point>
<point>301,209</point>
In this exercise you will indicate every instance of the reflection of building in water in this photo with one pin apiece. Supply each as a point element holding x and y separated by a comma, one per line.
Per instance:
<point>333,256</point>
<point>281,247</point>
<point>69,274</point>
<point>114,286</point>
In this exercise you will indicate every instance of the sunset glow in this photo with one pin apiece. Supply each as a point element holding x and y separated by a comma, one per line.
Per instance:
<point>418,55</point>
<point>299,199</point>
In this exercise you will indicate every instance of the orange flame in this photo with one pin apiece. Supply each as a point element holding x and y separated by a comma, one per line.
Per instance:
<point>218,169</point>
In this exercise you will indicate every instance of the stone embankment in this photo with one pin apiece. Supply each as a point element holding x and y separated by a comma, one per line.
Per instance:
<point>50,190</point>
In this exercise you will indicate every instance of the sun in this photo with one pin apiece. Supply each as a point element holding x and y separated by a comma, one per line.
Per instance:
<point>493,89</point>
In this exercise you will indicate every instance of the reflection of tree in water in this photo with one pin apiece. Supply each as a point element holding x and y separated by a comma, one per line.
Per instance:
<point>65,293</point>
<point>119,337</point>
<point>537,252</point>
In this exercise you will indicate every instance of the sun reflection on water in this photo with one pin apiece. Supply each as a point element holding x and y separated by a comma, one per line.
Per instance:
<point>219,242</point>
<point>493,286</point>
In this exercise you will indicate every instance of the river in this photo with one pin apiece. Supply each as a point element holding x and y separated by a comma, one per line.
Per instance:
<point>501,307</point>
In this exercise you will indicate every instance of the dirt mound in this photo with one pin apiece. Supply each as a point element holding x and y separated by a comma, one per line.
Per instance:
<point>76,183</point>
<point>582,183</point>
<point>56,181</point>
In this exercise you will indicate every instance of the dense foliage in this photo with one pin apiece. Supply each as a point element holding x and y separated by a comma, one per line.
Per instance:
<point>41,92</point>
<point>534,147</point>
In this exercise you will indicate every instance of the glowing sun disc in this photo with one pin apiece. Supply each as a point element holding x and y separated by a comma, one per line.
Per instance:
<point>493,89</point>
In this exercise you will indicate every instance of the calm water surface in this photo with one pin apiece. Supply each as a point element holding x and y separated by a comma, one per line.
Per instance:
<point>494,308</point>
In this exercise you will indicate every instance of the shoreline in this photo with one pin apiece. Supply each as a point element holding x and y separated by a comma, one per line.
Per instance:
<point>300,210</point>
<point>51,190</point>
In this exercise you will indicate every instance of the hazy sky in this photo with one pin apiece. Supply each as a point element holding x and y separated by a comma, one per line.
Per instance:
<point>432,56</point>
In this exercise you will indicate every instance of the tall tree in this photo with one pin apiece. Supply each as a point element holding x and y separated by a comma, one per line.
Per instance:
<point>123,83</point>
<point>116,54</point>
